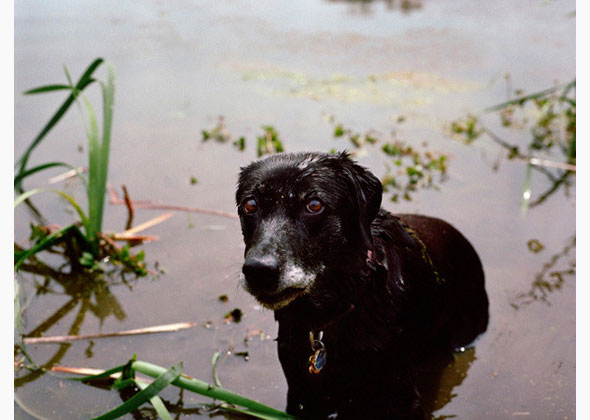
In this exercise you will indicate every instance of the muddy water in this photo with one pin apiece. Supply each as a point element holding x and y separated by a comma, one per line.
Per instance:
<point>180,65</point>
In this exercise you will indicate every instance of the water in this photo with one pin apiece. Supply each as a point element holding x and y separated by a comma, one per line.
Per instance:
<point>180,65</point>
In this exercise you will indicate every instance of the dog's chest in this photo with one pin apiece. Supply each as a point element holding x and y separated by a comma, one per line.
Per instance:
<point>345,355</point>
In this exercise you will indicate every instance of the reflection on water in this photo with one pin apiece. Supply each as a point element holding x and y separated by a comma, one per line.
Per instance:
<point>553,274</point>
<point>366,62</point>
<point>439,376</point>
<point>89,293</point>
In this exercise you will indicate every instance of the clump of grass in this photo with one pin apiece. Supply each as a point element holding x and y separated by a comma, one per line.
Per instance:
<point>164,377</point>
<point>82,240</point>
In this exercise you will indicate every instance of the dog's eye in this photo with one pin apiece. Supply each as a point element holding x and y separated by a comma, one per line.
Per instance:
<point>250,206</point>
<point>314,206</point>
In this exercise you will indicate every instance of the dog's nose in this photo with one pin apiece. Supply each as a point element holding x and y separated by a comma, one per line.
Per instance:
<point>262,273</point>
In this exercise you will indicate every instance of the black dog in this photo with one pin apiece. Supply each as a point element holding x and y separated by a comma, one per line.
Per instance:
<point>358,292</point>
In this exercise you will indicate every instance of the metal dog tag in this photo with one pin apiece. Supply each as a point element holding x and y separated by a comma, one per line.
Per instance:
<point>318,359</point>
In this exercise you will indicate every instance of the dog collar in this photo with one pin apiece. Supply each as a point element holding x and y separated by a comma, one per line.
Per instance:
<point>318,358</point>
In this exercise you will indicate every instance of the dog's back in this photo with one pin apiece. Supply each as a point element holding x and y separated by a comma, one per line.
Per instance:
<point>449,292</point>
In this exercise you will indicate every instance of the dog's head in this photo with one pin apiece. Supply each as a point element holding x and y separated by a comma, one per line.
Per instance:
<point>303,216</point>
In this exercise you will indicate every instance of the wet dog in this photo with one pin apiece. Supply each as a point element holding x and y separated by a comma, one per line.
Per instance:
<point>358,293</point>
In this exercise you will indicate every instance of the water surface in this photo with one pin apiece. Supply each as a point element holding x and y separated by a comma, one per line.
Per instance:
<point>180,65</point>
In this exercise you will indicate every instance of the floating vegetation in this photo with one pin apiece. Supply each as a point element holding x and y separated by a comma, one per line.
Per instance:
<point>233,316</point>
<point>417,168</point>
<point>410,88</point>
<point>550,150</point>
<point>409,168</point>
<point>269,142</point>
<point>266,143</point>
<point>221,134</point>
<point>364,6</point>
<point>535,246</point>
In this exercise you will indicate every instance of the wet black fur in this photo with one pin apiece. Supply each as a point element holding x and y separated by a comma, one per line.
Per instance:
<point>422,291</point>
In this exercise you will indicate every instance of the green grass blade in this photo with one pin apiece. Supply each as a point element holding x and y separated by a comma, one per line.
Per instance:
<point>214,361</point>
<point>48,88</point>
<point>35,191</point>
<point>251,413</point>
<point>67,72</point>
<point>211,391</point>
<point>46,242</point>
<point>94,174</point>
<point>73,203</point>
<point>85,80</point>
<point>99,192</point>
<point>536,95</point>
<point>162,381</point>
<point>98,155</point>
<point>123,383</point>
<point>156,402</point>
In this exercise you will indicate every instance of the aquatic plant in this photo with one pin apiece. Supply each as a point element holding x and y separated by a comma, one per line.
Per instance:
<point>418,168</point>
<point>269,141</point>
<point>551,147</point>
<point>86,246</point>
<point>173,376</point>
<point>409,168</point>
<point>266,143</point>
<point>221,134</point>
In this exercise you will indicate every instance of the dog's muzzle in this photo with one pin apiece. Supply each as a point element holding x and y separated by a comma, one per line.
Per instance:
<point>275,285</point>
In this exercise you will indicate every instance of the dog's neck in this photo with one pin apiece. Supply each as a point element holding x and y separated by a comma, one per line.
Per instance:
<point>309,317</point>
<point>315,317</point>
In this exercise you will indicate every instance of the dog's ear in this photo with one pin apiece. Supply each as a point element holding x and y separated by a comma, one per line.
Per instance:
<point>367,192</point>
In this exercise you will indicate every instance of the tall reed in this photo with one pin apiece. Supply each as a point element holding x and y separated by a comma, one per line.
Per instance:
<point>98,159</point>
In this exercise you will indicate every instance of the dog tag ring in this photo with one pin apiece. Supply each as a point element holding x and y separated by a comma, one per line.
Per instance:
<point>318,359</point>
